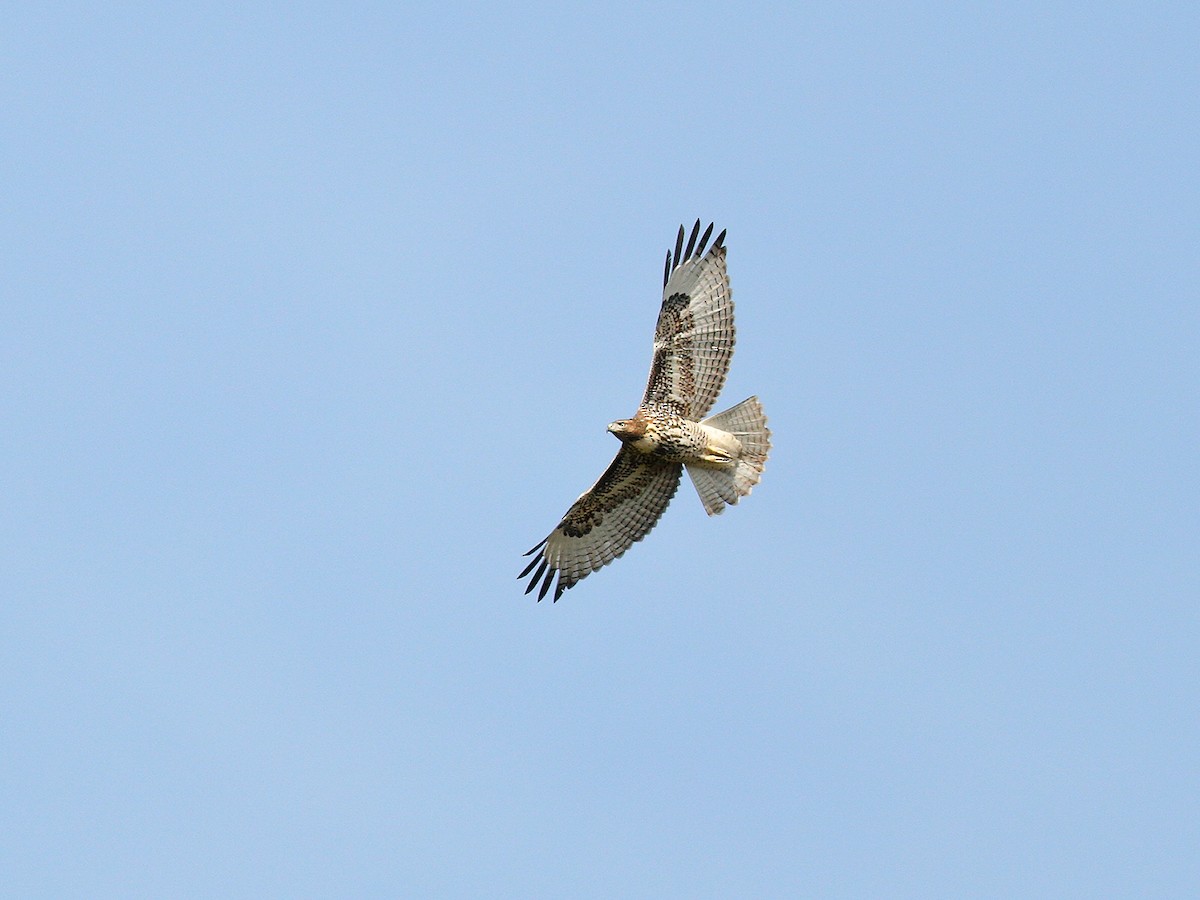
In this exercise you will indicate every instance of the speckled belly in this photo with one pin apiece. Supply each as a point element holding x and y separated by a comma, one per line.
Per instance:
<point>674,439</point>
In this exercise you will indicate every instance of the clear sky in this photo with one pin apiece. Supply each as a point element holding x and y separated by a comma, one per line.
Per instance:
<point>313,318</point>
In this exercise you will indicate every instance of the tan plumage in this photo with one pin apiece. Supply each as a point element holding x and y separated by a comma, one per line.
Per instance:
<point>724,454</point>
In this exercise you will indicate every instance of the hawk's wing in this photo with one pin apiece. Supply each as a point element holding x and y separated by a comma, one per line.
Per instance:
<point>693,341</point>
<point>612,515</point>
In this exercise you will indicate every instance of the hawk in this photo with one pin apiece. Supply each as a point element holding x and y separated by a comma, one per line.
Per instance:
<point>724,454</point>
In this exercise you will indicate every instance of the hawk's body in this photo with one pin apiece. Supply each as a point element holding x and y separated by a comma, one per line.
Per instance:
<point>723,454</point>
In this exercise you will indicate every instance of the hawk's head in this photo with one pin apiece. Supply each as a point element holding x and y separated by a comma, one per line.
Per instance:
<point>628,430</point>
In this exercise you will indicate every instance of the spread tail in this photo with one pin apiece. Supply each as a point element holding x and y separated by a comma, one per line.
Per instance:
<point>728,484</point>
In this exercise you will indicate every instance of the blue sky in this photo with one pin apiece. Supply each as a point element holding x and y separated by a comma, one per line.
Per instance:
<point>314,319</point>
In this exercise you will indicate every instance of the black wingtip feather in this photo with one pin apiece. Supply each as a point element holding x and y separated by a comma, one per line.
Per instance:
<point>540,545</point>
<point>694,248</point>
<point>537,575</point>
<point>692,240</point>
<point>558,589</point>
<point>529,568</point>
<point>546,584</point>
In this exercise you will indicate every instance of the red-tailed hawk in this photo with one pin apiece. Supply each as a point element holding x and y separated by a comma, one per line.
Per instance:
<point>724,454</point>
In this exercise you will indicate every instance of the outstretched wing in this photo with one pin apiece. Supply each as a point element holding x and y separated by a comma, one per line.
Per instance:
<point>693,341</point>
<point>616,512</point>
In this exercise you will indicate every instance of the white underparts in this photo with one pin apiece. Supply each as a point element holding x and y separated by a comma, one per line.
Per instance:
<point>721,448</point>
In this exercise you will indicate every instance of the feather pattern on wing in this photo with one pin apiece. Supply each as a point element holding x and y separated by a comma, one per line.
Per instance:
<point>694,337</point>
<point>607,519</point>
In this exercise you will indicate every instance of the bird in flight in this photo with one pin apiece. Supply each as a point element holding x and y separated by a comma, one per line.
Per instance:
<point>724,454</point>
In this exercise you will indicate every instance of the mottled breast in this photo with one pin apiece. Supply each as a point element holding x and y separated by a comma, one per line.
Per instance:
<point>673,438</point>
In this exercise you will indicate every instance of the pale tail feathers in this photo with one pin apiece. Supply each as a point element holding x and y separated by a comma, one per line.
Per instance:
<point>748,424</point>
<point>719,486</point>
